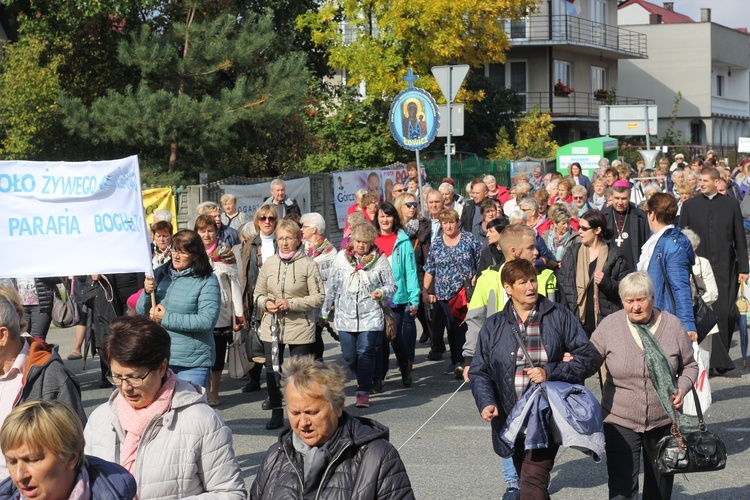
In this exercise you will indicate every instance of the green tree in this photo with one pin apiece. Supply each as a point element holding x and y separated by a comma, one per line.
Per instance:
<point>532,138</point>
<point>202,80</point>
<point>29,86</point>
<point>347,132</point>
<point>384,37</point>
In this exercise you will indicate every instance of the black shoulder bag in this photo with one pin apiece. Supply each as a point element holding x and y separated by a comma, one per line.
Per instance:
<point>698,451</point>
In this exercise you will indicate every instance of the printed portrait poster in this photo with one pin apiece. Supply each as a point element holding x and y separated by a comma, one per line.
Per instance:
<point>346,185</point>
<point>252,196</point>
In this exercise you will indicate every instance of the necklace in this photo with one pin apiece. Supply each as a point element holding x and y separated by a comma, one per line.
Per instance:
<point>622,235</point>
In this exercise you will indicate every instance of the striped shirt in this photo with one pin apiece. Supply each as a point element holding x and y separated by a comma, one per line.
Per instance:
<point>529,332</point>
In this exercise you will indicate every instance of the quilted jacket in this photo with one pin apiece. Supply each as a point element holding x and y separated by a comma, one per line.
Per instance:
<point>185,453</point>
<point>362,465</point>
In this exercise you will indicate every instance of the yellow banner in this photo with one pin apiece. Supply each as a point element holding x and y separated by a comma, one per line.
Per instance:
<point>159,199</point>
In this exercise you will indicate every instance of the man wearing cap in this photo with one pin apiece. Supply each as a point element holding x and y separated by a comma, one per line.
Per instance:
<point>679,162</point>
<point>628,223</point>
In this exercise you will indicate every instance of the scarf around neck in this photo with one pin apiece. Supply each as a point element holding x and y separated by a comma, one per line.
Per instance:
<point>411,227</point>
<point>583,280</point>
<point>659,369</point>
<point>134,421</point>
<point>321,247</point>
<point>366,262</point>
<point>220,252</point>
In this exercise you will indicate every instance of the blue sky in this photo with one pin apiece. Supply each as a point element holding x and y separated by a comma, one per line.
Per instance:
<point>732,13</point>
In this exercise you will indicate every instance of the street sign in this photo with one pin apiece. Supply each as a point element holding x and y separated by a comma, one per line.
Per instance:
<point>450,78</point>
<point>457,120</point>
<point>627,120</point>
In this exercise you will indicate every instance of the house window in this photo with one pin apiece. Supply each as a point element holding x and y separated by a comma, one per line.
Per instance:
<point>512,74</point>
<point>719,85</point>
<point>562,73</point>
<point>598,78</point>
<point>518,29</point>
<point>696,137</point>
<point>517,76</point>
<point>496,73</point>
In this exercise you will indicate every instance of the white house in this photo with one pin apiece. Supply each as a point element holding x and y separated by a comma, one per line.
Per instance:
<point>709,64</point>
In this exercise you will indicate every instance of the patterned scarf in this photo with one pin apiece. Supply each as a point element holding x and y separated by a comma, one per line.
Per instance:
<point>321,247</point>
<point>82,488</point>
<point>529,332</point>
<point>411,227</point>
<point>134,421</point>
<point>219,252</point>
<point>367,261</point>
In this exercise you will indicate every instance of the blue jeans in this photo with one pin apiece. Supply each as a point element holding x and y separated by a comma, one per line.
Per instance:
<point>400,343</point>
<point>510,474</point>
<point>360,351</point>
<point>198,375</point>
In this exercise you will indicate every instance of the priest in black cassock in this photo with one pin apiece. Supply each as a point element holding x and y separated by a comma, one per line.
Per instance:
<point>628,223</point>
<point>716,218</point>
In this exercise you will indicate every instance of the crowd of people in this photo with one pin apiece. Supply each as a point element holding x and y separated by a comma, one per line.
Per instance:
<point>571,275</point>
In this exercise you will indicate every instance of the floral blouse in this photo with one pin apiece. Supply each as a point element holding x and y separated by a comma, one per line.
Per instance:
<point>449,266</point>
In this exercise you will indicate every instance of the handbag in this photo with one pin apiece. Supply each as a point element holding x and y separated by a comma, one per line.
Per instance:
<point>65,312</point>
<point>254,349</point>
<point>705,317</point>
<point>742,303</point>
<point>698,451</point>
<point>238,364</point>
<point>702,384</point>
<point>390,325</point>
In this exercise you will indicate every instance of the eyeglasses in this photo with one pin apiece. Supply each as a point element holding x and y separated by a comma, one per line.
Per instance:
<point>307,227</point>
<point>399,190</point>
<point>579,197</point>
<point>410,204</point>
<point>584,228</point>
<point>132,381</point>
<point>181,253</point>
<point>285,239</point>
<point>269,218</point>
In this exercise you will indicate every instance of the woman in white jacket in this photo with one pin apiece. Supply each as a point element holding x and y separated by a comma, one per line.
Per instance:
<point>158,427</point>
<point>224,264</point>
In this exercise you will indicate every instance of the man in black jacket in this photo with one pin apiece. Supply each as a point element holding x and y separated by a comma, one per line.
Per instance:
<point>716,218</point>
<point>628,223</point>
<point>328,453</point>
<point>471,215</point>
<point>280,201</point>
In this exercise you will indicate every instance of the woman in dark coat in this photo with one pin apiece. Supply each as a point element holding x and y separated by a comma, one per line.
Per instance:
<point>591,271</point>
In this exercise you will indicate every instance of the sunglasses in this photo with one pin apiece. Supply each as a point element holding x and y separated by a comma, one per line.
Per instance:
<point>269,218</point>
<point>411,204</point>
<point>584,228</point>
<point>399,190</point>
<point>579,198</point>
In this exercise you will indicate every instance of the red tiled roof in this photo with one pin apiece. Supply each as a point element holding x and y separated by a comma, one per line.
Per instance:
<point>667,16</point>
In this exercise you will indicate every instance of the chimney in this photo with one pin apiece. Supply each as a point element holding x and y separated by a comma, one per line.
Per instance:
<point>654,19</point>
<point>669,6</point>
<point>705,15</point>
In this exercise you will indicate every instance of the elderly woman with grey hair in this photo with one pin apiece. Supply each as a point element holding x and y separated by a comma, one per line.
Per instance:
<point>323,253</point>
<point>450,198</point>
<point>561,235</point>
<point>360,281</point>
<point>580,197</point>
<point>650,368</point>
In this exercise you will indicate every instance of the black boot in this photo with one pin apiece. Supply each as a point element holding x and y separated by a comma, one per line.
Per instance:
<point>277,419</point>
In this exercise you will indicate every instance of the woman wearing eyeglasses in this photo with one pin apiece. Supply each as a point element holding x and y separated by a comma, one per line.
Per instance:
<point>591,271</point>
<point>188,302</point>
<point>288,289</point>
<point>157,426</point>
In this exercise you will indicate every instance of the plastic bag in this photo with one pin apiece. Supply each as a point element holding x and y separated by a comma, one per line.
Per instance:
<point>702,385</point>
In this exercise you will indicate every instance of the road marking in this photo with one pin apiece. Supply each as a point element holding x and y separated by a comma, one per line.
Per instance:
<point>738,429</point>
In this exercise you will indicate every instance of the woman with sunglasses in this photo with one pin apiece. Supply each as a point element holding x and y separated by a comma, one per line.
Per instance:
<point>393,241</point>
<point>591,271</point>
<point>254,253</point>
<point>158,426</point>
<point>418,229</point>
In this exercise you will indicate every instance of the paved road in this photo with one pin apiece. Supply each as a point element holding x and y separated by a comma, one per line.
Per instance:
<point>451,456</point>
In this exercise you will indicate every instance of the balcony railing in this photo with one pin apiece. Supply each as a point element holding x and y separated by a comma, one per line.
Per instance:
<point>576,30</point>
<point>575,104</point>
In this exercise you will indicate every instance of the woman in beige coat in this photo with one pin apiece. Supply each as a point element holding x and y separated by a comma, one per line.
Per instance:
<point>289,288</point>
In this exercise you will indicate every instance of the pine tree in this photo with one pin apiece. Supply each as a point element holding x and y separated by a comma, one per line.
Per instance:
<point>202,80</point>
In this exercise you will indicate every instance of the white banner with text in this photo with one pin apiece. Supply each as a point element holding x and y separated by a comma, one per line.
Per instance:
<point>72,218</point>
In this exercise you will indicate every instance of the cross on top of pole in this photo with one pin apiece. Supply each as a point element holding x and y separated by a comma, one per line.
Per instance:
<point>410,78</point>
